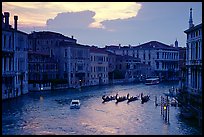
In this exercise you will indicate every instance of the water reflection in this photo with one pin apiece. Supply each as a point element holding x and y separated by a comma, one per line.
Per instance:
<point>48,113</point>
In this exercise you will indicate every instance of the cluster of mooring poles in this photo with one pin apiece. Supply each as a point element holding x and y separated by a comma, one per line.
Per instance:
<point>164,108</point>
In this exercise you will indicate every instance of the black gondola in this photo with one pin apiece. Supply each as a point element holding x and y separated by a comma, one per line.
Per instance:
<point>133,98</point>
<point>107,98</point>
<point>144,98</point>
<point>120,99</point>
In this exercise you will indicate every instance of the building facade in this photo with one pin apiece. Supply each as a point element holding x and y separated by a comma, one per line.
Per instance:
<point>44,57</point>
<point>74,64</point>
<point>14,59</point>
<point>162,58</point>
<point>194,60</point>
<point>98,66</point>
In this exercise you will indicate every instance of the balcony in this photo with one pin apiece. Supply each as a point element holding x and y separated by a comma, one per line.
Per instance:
<point>8,73</point>
<point>6,49</point>
<point>194,62</point>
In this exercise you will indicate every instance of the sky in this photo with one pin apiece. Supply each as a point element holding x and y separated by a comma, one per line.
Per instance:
<point>108,23</point>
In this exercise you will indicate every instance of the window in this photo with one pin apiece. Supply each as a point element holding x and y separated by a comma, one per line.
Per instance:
<point>157,64</point>
<point>51,53</point>
<point>197,50</point>
<point>100,58</point>
<point>157,55</point>
<point>137,54</point>
<point>65,53</point>
<point>149,56</point>
<point>65,66</point>
<point>144,55</point>
<point>65,75</point>
<point>149,63</point>
<point>80,67</point>
<point>9,41</point>
<point>4,40</point>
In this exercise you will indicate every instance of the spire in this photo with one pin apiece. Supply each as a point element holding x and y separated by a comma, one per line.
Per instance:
<point>176,43</point>
<point>191,19</point>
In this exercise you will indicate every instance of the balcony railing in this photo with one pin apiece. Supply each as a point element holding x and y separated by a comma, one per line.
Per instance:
<point>8,73</point>
<point>194,62</point>
<point>6,49</point>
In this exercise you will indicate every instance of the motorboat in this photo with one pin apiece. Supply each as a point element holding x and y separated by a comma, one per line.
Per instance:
<point>75,103</point>
<point>152,81</point>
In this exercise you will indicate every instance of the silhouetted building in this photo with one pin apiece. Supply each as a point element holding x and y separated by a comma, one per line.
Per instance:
<point>14,59</point>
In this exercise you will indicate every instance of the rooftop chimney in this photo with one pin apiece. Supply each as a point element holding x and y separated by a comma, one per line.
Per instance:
<point>6,15</point>
<point>72,37</point>
<point>119,46</point>
<point>15,22</point>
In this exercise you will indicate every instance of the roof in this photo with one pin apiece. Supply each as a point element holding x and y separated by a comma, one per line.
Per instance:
<point>97,50</point>
<point>48,35</point>
<point>193,28</point>
<point>148,45</point>
<point>154,45</point>
<point>71,44</point>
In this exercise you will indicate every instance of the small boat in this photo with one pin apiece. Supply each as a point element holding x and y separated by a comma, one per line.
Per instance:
<point>144,98</point>
<point>133,98</point>
<point>75,104</point>
<point>122,98</point>
<point>152,81</point>
<point>107,98</point>
<point>174,102</point>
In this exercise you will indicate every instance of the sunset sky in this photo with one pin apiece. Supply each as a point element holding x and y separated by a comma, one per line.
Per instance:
<point>107,23</point>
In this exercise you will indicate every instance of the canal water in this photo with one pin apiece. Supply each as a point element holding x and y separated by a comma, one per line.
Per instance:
<point>48,112</point>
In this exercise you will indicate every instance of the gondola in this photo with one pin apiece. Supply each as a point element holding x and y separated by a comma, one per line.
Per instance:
<point>122,98</point>
<point>133,98</point>
<point>144,98</point>
<point>107,98</point>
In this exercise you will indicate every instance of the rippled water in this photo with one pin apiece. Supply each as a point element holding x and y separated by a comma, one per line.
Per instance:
<point>48,112</point>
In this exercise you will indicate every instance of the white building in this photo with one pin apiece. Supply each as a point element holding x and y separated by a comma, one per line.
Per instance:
<point>14,59</point>
<point>194,59</point>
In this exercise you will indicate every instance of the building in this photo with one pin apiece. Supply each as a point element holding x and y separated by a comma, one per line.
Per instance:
<point>74,63</point>
<point>42,70</point>
<point>98,66</point>
<point>111,65</point>
<point>14,59</point>
<point>161,57</point>
<point>182,66</point>
<point>43,61</point>
<point>128,66</point>
<point>194,61</point>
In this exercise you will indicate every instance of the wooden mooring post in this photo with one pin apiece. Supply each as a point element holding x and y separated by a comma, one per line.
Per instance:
<point>155,101</point>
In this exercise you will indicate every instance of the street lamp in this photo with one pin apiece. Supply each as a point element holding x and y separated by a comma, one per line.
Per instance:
<point>164,107</point>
